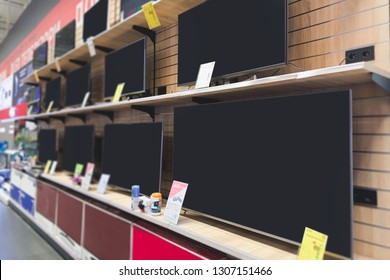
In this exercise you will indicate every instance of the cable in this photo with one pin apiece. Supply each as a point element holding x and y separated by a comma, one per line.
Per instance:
<point>296,66</point>
<point>343,61</point>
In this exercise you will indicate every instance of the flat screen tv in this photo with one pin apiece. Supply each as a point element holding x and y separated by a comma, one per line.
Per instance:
<point>242,37</point>
<point>65,39</point>
<point>273,165</point>
<point>126,65</point>
<point>132,155</point>
<point>79,145</point>
<point>53,93</point>
<point>129,7</point>
<point>34,98</point>
<point>95,19</point>
<point>40,56</point>
<point>78,83</point>
<point>47,145</point>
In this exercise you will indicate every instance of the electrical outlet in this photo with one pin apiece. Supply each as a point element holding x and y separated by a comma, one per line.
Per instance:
<point>358,55</point>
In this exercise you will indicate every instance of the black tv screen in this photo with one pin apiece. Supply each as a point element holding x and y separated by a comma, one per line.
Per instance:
<point>129,7</point>
<point>47,145</point>
<point>77,85</point>
<point>79,143</point>
<point>53,93</point>
<point>65,39</point>
<point>241,37</point>
<point>273,165</point>
<point>95,20</point>
<point>126,65</point>
<point>34,98</point>
<point>40,56</point>
<point>132,155</point>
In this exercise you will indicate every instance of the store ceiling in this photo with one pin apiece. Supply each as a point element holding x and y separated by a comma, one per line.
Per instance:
<point>10,11</point>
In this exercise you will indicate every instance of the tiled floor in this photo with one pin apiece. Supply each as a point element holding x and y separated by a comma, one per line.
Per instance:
<point>18,241</point>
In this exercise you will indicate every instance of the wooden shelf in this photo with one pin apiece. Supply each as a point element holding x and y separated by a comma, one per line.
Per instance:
<point>117,36</point>
<point>339,76</point>
<point>242,246</point>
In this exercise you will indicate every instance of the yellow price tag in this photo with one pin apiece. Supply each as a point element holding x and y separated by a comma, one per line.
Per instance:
<point>58,66</point>
<point>49,107</point>
<point>313,245</point>
<point>118,92</point>
<point>47,167</point>
<point>151,15</point>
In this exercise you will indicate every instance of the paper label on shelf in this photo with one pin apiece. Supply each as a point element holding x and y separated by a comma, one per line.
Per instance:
<point>86,182</point>
<point>58,66</point>
<point>204,75</point>
<point>85,100</point>
<point>118,92</point>
<point>91,47</point>
<point>47,167</point>
<point>78,170</point>
<point>36,76</point>
<point>175,201</point>
<point>50,106</point>
<point>313,245</point>
<point>103,182</point>
<point>151,15</point>
<point>53,167</point>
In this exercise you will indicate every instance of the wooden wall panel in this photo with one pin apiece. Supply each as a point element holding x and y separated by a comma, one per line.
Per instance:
<point>374,251</point>
<point>372,234</point>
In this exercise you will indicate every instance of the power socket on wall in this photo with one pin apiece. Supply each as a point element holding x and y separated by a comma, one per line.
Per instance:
<point>359,55</point>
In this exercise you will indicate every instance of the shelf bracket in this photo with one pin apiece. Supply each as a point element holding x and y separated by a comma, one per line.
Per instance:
<point>146,109</point>
<point>58,118</point>
<point>152,36</point>
<point>81,117</point>
<point>104,49</point>
<point>63,73</point>
<point>202,100</point>
<point>109,114</point>
<point>46,120</point>
<point>46,79</point>
<point>78,62</point>
<point>32,84</point>
<point>381,81</point>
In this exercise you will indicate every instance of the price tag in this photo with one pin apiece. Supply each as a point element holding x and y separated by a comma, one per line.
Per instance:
<point>103,182</point>
<point>86,96</point>
<point>91,47</point>
<point>53,167</point>
<point>36,76</point>
<point>50,106</point>
<point>86,182</point>
<point>204,75</point>
<point>313,245</point>
<point>58,66</point>
<point>175,201</point>
<point>47,167</point>
<point>151,15</point>
<point>78,170</point>
<point>118,92</point>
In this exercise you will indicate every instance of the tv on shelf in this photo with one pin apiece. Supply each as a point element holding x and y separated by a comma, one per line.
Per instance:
<point>78,83</point>
<point>132,155</point>
<point>65,39</point>
<point>34,98</point>
<point>53,93</point>
<point>79,145</point>
<point>47,145</point>
<point>95,19</point>
<point>273,165</point>
<point>130,7</point>
<point>40,56</point>
<point>242,37</point>
<point>126,65</point>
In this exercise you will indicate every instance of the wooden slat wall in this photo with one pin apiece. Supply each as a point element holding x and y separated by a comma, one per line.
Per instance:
<point>320,31</point>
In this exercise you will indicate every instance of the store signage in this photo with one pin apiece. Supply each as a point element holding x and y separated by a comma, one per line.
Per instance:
<point>14,112</point>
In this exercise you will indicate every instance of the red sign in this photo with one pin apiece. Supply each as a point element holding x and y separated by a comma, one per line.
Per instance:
<point>14,112</point>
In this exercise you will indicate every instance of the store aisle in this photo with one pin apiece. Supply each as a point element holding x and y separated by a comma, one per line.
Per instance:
<point>18,241</point>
